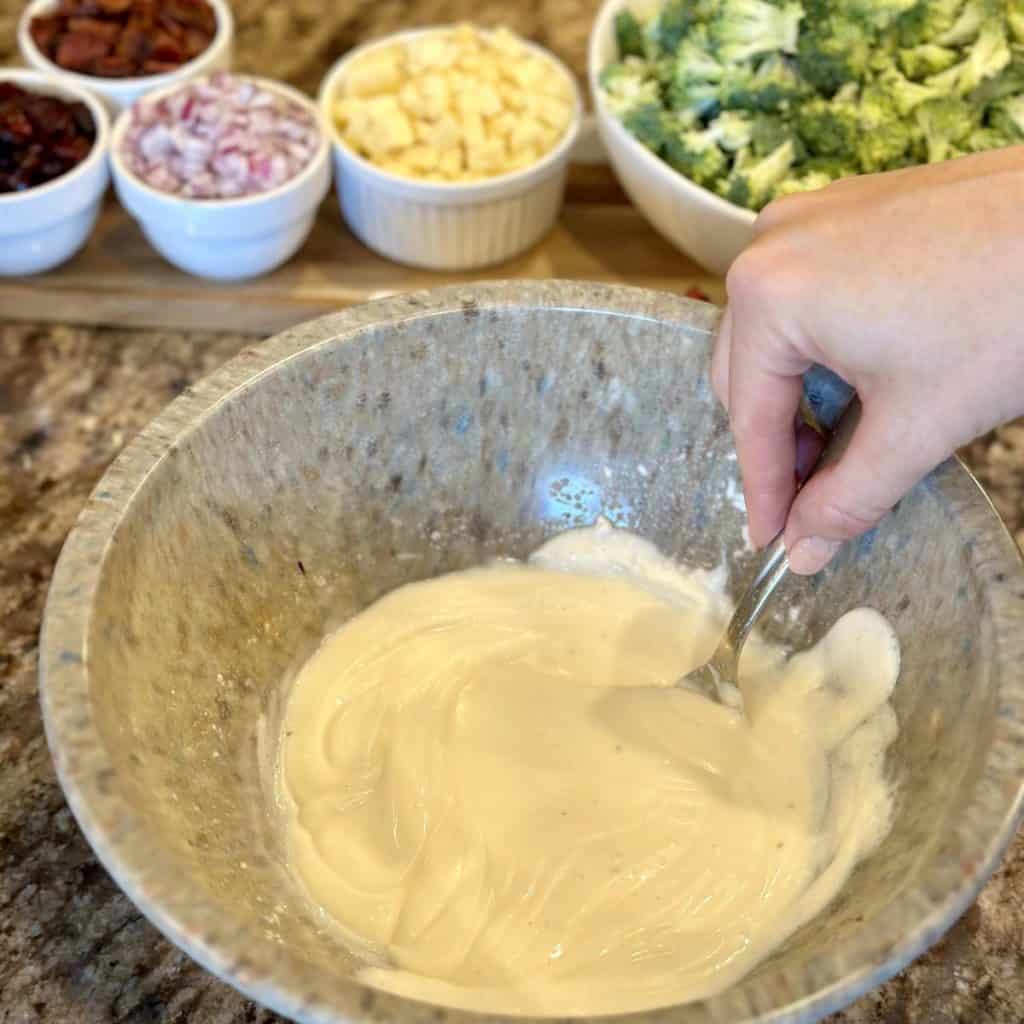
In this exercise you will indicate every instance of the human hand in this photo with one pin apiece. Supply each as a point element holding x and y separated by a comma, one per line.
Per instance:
<point>910,286</point>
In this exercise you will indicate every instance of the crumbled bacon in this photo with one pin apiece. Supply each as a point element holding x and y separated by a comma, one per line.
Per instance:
<point>219,138</point>
<point>124,38</point>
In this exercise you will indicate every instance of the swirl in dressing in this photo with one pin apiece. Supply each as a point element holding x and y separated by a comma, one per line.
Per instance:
<point>493,784</point>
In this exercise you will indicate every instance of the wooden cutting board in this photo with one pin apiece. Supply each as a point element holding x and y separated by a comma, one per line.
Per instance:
<point>119,280</point>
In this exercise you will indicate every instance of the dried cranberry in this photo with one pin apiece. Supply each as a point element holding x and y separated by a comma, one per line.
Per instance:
<point>41,137</point>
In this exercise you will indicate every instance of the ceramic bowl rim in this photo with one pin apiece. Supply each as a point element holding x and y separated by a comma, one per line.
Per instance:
<point>830,980</point>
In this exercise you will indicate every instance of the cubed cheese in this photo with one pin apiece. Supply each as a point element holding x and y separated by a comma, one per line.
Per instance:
<point>487,157</point>
<point>436,96</point>
<point>472,129</point>
<point>451,164</point>
<point>411,99</point>
<point>431,53</point>
<point>388,128</point>
<point>422,158</point>
<point>478,98</point>
<point>454,105</point>
<point>503,125</point>
<point>554,113</point>
<point>377,73</point>
<point>445,134</point>
<point>527,132</point>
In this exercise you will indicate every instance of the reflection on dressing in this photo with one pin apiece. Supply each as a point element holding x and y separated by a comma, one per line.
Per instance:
<point>491,781</point>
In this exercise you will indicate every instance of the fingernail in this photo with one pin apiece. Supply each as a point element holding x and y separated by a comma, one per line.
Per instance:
<point>811,555</point>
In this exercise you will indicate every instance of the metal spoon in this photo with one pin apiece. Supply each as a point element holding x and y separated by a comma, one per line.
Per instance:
<point>832,409</point>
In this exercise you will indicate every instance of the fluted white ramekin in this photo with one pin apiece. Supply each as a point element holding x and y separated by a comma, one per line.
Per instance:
<point>442,225</point>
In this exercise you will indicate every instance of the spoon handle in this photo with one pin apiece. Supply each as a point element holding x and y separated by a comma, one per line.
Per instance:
<point>826,397</point>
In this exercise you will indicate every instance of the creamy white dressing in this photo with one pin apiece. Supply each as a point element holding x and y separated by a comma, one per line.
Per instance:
<point>493,785</point>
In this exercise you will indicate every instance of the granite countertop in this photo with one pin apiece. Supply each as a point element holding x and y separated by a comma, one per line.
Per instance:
<point>73,949</point>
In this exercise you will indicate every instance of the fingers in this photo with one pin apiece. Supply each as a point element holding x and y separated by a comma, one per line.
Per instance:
<point>882,463</point>
<point>809,444</point>
<point>764,398</point>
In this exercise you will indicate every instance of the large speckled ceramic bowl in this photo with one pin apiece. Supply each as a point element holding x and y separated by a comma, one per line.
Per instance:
<point>427,433</point>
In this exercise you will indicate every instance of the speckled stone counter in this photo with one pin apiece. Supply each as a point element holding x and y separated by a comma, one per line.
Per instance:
<point>72,948</point>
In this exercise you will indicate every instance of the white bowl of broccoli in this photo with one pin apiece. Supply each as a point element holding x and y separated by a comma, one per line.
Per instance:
<point>710,109</point>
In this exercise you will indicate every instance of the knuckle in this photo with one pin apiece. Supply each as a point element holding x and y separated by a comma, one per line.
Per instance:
<point>749,276</point>
<point>845,520</point>
<point>777,211</point>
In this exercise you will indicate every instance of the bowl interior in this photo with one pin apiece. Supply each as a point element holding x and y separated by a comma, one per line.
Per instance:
<point>423,435</point>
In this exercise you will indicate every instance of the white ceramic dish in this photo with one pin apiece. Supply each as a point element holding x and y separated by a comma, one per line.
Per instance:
<point>119,93</point>
<point>442,226</point>
<point>226,239</point>
<point>43,227</point>
<point>702,224</point>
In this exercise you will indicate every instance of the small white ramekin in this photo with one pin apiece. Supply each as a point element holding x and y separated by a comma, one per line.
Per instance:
<point>226,239</point>
<point>441,225</point>
<point>712,230</point>
<point>43,227</point>
<point>119,93</point>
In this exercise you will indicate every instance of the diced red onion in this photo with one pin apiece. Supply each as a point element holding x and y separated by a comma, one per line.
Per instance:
<point>222,137</point>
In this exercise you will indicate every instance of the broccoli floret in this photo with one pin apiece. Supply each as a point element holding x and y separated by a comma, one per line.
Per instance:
<point>745,29</point>
<point>1009,82</point>
<point>905,94</point>
<point>926,21</point>
<point>968,24</point>
<point>696,74</point>
<point>809,181</point>
<point>884,136</point>
<point>752,184</point>
<point>926,59</point>
<point>1015,19</point>
<point>834,167</point>
<point>1007,118</point>
<point>876,106</point>
<point>884,147</point>
<point>769,132</point>
<point>875,14</point>
<point>732,130</point>
<point>945,125</point>
<point>696,154</point>
<point>667,29</point>
<point>646,123</point>
<point>981,140</point>
<point>773,86</point>
<point>832,52</point>
<point>629,35</point>
<point>828,128</point>
<point>695,63</point>
<point>989,54</point>
<point>629,84</point>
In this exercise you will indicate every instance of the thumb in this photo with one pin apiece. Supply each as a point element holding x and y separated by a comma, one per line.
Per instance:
<point>884,459</point>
